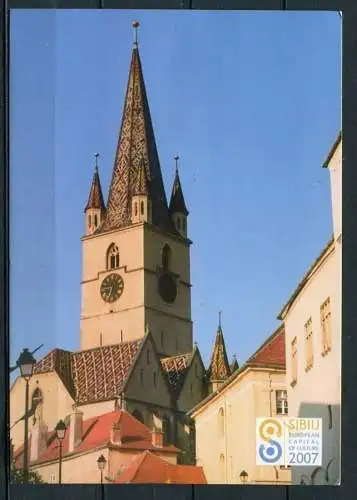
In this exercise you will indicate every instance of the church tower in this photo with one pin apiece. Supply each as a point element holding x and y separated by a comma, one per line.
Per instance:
<point>136,254</point>
<point>219,369</point>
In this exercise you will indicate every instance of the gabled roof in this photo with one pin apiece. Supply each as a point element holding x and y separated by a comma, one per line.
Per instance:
<point>176,368</point>
<point>93,375</point>
<point>219,369</point>
<point>270,355</point>
<point>95,199</point>
<point>97,433</point>
<point>177,201</point>
<point>149,468</point>
<point>136,144</point>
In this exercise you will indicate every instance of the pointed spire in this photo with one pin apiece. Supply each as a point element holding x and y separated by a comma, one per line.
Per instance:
<point>141,181</point>
<point>95,199</point>
<point>136,144</point>
<point>219,369</point>
<point>234,365</point>
<point>177,201</point>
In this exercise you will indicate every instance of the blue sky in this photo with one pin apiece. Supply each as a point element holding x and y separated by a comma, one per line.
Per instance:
<point>250,101</point>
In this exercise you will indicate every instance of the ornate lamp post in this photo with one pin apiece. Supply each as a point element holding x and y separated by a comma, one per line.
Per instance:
<point>101,466</point>
<point>26,363</point>
<point>60,430</point>
<point>243,476</point>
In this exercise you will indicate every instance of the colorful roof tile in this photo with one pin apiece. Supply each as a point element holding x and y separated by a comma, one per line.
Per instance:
<point>136,144</point>
<point>272,352</point>
<point>176,368</point>
<point>177,201</point>
<point>95,374</point>
<point>97,432</point>
<point>95,199</point>
<point>219,369</point>
<point>141,182</point>
<point>148,468</point>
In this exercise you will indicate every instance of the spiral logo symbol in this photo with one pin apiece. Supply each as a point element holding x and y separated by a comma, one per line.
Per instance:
<point>269,444</point>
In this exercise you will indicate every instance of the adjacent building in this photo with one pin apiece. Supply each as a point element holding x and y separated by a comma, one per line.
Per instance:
<point>225,421</point>
<point>312,322</point>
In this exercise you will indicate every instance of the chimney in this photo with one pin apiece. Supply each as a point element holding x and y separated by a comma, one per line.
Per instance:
<point>75,430</point>
<point>39,436</point>
<point>157,437</point>
<point>115,436</point>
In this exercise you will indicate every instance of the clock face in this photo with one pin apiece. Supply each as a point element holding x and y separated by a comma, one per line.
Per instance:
<point>167,288</point>
<point>112,287</point>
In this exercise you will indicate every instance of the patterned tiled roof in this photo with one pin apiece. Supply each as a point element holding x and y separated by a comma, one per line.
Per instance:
<point>141,183</point>
<point>97,431</point>
<point>176,368</point>
<point>177,201</point>
<point>95,374</point>
<point>219,367</point>
<point>95,199</point>
<point>136,144</point>
<point>58,361</point>
<point>148,468</point>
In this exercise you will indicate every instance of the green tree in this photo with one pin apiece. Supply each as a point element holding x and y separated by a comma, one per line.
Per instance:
<point>17,477</point>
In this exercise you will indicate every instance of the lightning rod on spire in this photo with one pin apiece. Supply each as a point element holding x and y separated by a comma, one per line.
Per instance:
<point>96,156</point>
<point>136,25</point>
<point>219,319</point>
<point>176,158</point>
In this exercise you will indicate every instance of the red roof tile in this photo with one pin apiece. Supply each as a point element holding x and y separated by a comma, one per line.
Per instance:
<point>272,352</point>
<point>97,432</point>
<point>94,374</point>
<point>148,468</point>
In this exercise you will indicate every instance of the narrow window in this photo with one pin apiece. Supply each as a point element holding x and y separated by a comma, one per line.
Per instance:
<point>142,208</point>
<point>309,352</point>
<point>166,429</point>
<point>113,257</point>
<point>136,208</point>
<point>281,402</point>
<point>95,220</point>
<point>294,361</point>
<point>89,220</point>
<point>166,258</point>
<point>222,467</point>
<point>220,423</point>
<point>325,315</point>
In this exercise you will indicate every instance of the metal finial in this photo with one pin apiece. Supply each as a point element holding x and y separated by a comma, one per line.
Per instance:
<point>136,25</point>
<point>176,158</point>
<point>96,156</point>
<point>219,319</point>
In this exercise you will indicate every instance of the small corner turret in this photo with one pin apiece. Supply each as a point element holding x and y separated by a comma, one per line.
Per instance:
<point>177,207</point>
<point>95,208</point>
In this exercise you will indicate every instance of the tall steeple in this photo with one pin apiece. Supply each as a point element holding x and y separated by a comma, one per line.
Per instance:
<point>136,144</point>
<point>95,208</point>
<point>219,369</point>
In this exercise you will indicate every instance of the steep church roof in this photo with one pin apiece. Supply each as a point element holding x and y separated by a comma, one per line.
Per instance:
<point>177,201</point>
<point>136,144</point>
<point>234,365</point>
<point>141,182</point>
<point>96,374</point>
<point>219,367</point>
<point>95,199</point>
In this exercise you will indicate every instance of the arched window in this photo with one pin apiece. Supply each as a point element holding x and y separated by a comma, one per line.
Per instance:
<point>222,468</point>
<point>138,415</point>
<point>166,258</point>
<point>37,404</point>
<point>113,257</point>
<point>220,423</point>
<point>136,208</point>
<point>178,223</point>
<point>142,208</point>
<point>95,220</point>
<point>166,429</point>
<point>89,220</point>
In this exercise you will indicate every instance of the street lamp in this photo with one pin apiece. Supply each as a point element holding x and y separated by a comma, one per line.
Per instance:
<point>26,363</point>
<point>60,430</point>
<point>243,476</point>
<point>101,466</point>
